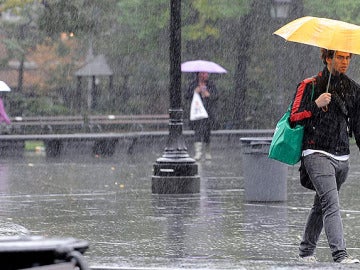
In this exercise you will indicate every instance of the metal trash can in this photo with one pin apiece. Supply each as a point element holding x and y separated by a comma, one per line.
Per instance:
<point>265,179</point>
<point>39,253</point>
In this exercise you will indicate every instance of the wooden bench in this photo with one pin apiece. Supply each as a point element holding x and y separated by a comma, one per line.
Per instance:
<point>93,123</point>
<point>46,124</point>
<point>136,122</point>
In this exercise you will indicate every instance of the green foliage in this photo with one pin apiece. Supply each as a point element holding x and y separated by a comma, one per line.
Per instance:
<point>13,45</point>
<point>44,106</point>
<point>11,4</point>
<point>64,16</point>
<point>25,105</point>
<point>136,14</point>
<point>345,10</point>
<point>34,145</point>
<point>20,35</point>
<point>134,36</point>
<point>200,19</point>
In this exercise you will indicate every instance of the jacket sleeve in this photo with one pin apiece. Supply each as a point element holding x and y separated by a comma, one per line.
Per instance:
<point>214,95</point>
<point>189,93</point>
<point>303,105</point>
<point>355,118</point>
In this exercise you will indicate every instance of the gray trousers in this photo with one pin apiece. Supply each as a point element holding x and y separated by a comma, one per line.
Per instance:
<point>327,176</point>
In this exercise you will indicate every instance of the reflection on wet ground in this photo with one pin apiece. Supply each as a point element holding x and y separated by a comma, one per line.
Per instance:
<point>108,202</point>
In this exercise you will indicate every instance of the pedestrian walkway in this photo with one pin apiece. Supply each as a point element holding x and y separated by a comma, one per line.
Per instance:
<point>108,202</point>
<point>218,229</point>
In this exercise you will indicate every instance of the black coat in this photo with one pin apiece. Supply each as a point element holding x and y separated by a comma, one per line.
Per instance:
<point>329,130</point>
<point>210,103</point>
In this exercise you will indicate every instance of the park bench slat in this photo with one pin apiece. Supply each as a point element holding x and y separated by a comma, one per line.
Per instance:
<point>54,124</point>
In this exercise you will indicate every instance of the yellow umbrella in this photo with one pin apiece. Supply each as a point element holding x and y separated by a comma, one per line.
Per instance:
<point>324,33</point>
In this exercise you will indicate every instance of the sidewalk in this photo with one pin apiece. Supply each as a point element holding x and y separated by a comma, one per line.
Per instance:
<point>218,229</point>
<point>107,201</point>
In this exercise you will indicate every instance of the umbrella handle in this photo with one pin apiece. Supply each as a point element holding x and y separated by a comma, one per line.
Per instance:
<point>325,109</point>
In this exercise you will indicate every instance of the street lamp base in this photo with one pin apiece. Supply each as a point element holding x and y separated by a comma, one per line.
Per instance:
<point>175,184</point>
<point>175,177</point>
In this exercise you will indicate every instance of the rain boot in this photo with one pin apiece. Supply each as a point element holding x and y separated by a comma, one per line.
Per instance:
<point>198,148</point>
<point>207,151</point>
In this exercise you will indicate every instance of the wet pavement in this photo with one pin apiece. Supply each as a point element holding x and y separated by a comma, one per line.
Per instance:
<point>107,201</point>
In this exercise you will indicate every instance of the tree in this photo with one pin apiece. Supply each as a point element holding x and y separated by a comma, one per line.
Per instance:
<point>346,10</point>
<point>134,36</point>
<point>64,17</point>
<point>20,33</point>
<point>87,22</point>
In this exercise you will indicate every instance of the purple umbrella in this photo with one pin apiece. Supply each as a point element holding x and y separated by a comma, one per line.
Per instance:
<point>202,66</point>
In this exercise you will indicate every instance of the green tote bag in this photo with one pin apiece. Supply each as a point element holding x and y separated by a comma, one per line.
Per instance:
<point>286,143</point>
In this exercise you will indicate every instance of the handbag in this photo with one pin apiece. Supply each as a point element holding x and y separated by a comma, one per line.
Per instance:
<point>197,109</point>
<point>304,177</point>
<point>286,144</point>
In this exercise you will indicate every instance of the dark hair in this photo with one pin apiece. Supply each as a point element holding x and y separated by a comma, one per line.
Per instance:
<point>326,54</point>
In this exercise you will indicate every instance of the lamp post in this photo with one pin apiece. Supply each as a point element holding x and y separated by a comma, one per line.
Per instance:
<point>280,10</point>
<point>175,172</point>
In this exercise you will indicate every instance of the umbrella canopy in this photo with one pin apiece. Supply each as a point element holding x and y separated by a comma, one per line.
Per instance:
<point>324,33</point>
<point>202,66</point>
<point>4,87</point>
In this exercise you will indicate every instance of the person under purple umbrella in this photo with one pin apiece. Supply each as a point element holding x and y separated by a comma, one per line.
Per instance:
<point>4,118</point>
<point>209,96</point>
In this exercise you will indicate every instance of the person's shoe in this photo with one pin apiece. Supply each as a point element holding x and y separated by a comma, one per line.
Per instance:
<point>308,259</point>
<point>207,152</point>
<point>348,260</point>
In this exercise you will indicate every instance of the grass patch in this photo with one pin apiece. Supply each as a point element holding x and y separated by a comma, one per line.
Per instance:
<point>33,145</point>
